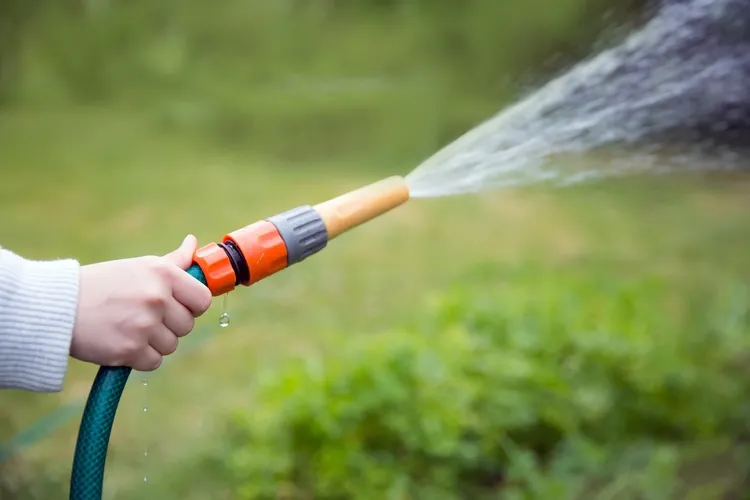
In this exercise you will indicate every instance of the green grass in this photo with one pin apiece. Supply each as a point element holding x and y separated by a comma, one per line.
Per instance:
<point>132,124</point>
<point>106,184</point>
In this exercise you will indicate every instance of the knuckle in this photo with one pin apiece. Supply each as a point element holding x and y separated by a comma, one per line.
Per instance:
<point>132,347</point>
<point>156,297</point>
<point>152,261</point>
<point>143,324</point>
<point>127,351</point>
<point>162,268</point>
<point>158,266</point>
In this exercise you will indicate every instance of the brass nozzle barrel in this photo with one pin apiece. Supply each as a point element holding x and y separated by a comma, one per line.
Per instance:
<point>361,205</point>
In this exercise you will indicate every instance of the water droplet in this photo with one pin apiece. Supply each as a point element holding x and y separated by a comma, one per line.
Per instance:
<point>145,452</point>
<point>145,408</point>
<point>145,382</point>
<point>224,320</point>
<point>145,479</point>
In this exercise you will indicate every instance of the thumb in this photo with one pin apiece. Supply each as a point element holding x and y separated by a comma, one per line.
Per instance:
<point>183,256</point>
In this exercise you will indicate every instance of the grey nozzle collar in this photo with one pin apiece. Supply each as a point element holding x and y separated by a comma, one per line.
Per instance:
<point>303,232</point>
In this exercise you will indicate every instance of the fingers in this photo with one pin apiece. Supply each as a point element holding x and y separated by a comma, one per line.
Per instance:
<point>191,293</point>
<point>187,290</point>
<point>178,319</point>
<point>148,361</point>
<point>163,340</point>
<point>183,256</point>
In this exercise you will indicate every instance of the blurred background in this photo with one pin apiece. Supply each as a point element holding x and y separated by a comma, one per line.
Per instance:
<point>586,342</point>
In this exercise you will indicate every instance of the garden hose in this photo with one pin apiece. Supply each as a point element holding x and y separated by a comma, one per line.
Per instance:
<point>244,257</point>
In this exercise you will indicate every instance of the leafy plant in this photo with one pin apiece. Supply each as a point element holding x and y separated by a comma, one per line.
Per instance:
<point>568,387</point>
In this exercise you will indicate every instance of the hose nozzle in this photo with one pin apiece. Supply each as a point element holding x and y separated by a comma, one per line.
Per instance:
<point>266,247</point>
<point>359,206</point>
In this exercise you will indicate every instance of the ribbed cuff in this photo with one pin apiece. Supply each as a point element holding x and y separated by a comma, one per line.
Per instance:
<point>38,303</point>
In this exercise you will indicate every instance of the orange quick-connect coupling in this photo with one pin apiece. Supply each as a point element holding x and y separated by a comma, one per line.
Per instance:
<point>259,250</point>
<point>217,267</point>
<point>263,249</point>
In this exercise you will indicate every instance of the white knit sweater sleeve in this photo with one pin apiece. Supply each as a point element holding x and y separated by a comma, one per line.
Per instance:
<point>38,303</point>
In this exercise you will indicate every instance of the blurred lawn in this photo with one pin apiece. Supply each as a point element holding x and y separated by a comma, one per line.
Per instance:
<point>136,123</point>
<point>102,185</point>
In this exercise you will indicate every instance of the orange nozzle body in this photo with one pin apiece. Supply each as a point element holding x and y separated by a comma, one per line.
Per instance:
<point>263,249</point>
<point>244,257</point>
<point>250,254</point>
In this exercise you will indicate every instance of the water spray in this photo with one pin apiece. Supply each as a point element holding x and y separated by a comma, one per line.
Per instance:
<point>243,257</point>
<point>672,97</point>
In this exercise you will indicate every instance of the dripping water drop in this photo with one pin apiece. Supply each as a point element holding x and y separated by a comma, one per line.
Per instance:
<point>224,317</point>
<point>144,382</point>
<point>224,320</point>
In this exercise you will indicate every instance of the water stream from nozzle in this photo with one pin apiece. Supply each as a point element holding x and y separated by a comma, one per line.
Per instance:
<point>673,96</point>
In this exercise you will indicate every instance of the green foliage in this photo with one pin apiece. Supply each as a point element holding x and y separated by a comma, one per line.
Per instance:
<point>305,79</point>
<point>549,387</point>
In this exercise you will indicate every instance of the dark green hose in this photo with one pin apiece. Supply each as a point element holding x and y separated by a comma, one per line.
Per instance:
<point>87,476</point>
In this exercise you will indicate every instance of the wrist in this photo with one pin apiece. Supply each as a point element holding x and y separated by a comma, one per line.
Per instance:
<point>38,304</point>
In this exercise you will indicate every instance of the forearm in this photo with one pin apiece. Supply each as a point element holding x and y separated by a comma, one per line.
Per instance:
<point>38,303</point>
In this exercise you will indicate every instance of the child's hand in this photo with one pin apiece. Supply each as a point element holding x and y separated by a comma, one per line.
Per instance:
<point>132,312</point>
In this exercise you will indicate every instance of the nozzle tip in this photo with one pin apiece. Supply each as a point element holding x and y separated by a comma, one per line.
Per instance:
<point>361,205</point>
